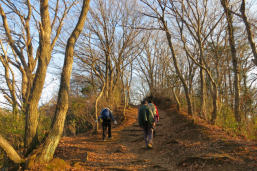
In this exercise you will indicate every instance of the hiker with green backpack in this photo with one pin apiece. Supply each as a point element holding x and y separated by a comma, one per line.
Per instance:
<point>146,121</point>
<point>154,110</point>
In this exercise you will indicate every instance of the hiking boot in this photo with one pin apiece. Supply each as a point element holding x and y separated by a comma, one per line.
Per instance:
<point>149,146</point>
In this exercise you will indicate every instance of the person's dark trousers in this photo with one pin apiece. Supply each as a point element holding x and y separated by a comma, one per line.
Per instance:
<point>148,134</point>
<point>107,125</point>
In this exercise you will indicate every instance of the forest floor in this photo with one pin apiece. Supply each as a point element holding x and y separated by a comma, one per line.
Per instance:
<point>179,144</point>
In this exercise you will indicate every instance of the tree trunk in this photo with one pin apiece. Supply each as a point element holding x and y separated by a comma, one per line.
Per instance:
<point>203,83</point>
<point>234,60</point>
<point>125,106</point>
<point>96,103</point>
<point>52,140</point>
<point>43,61</point>
<point>215,103</point>
<point>107,60</point>
<point>111,86</point>
<point>176,99</point>
<point>189,103</point>
<point>10,151</point>
<point>249,32</point>
<point>125,93</point>
<point>45,151</point>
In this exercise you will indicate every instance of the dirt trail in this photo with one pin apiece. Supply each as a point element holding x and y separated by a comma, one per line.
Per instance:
<point>179,144</point>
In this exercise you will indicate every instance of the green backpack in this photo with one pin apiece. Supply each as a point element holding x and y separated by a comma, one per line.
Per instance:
<point>145,116</point>
<point>152,107</point>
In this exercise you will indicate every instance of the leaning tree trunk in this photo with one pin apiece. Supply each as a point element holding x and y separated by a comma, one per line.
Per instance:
<point>10,151</point>
<point>249,32</point>
<point>96,103</point>
<point>176,98</point>
<point>168,35</point>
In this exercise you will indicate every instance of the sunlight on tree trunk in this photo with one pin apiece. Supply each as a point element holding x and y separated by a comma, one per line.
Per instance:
<point>10,151</point>
<point>54,135</point>
<point>96,103</point>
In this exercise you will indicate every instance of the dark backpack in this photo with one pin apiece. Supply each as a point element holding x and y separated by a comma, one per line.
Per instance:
<point>106,114</point>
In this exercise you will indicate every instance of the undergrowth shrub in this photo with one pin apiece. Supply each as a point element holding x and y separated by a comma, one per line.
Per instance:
<point>12,129</point>
<point>44,125</point>
<point>226,120</point>
<point>161,99</point>
<point>249,128</point>
<point>80,116</point>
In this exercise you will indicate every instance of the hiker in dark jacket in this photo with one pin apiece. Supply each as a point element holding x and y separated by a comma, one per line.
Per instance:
<point>146,121</point>
<point>107,118</point>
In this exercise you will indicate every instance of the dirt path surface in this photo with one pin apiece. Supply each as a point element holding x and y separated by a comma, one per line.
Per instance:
<point>179,144</point>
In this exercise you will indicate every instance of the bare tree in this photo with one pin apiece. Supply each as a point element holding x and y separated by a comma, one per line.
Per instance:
<point>31,64</point>
<point>21,39</point>
<point>199,22</point>
<point>45,151</point>
<point>159,14</point>
<point>154,62</point>
<point>111,44</point>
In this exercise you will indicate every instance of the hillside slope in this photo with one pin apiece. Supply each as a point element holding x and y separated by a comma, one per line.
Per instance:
<point>179,144</point>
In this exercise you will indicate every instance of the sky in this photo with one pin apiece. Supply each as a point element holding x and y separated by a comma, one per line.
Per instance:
<point>52,80</point>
